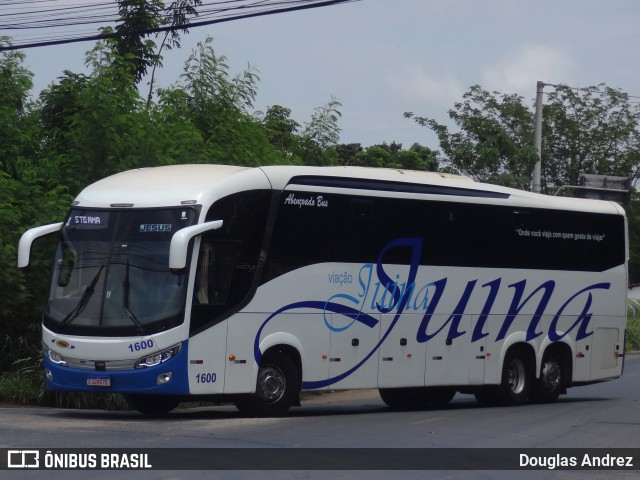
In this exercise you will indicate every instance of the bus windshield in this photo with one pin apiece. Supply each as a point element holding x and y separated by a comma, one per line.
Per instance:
<point>111,273</point>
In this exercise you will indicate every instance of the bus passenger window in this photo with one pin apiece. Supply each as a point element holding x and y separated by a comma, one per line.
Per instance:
<point>216,265</point>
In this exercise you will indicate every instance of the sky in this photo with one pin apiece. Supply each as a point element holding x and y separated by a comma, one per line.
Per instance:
<point>381,58</point>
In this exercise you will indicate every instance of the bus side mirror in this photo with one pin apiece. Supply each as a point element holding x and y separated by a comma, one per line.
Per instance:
<point>30,236</point>
<point>180,243</point>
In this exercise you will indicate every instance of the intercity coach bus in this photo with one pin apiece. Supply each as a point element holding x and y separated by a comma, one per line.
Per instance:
<point>254,284</point>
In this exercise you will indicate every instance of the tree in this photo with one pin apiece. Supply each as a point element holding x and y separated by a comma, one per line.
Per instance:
<point>323,128</point>
<point>591,130</point>
<point>137,18</point>
<point>59,103</point>
<point>177,16</point>
<point>423,158</point>
<point>29,195</point>
<point>219,107</point>
<point>15,83</point>
<point>281,129</point>
<point>375,156</point>
<point>347,153</point>
<point>391,155</point>
<point>494,141</point>
<point>319,137</point>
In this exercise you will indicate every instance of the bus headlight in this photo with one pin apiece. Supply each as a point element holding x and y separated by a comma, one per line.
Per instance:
<point>56,358</point>
<point>158,358</point>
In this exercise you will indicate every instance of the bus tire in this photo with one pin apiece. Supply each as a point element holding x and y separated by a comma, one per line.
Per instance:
<point>277,388</point>
<point>152,404</point>
<point>550,385</point>
<point>516,379</point>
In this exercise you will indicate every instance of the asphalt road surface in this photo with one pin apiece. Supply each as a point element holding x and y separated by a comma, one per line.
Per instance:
<point>605,415</point>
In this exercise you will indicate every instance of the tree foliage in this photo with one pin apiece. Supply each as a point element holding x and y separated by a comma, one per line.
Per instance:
<point>494,138</point>
<point>591,130</point>
<point>417,157</point>
<point>138,17</point>
<point>28,195</point>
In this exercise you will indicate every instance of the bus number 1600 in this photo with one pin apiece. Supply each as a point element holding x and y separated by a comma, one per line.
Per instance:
<point>206,377</point>
<point>143,345</point>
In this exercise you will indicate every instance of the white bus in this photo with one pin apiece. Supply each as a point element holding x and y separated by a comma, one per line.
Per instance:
<point>253,284</point>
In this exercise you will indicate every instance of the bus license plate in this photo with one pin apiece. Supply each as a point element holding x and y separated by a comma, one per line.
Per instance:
<point>99,382</point>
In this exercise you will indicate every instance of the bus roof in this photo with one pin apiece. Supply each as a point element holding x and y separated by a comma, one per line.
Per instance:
<point>205,183</point>
<point>162,186</point>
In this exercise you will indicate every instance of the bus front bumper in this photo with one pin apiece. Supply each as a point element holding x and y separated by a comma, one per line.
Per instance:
<point>169,378</point>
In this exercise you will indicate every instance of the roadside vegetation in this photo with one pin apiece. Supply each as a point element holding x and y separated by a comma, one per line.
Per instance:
<point>633,326</point>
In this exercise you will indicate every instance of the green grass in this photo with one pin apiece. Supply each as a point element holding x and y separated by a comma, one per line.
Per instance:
<point>633,326</point>
<point>24,387</point>
<point>23,384</point>
<point>21,388</point>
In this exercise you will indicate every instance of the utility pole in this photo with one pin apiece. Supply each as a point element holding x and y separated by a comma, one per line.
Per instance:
<point>537,139</point>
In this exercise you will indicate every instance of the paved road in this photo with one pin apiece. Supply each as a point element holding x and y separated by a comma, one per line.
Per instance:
<point>605,415</point>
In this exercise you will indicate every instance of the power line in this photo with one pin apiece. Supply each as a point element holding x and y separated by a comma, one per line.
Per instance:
<point>588,89</point>
<point>97,13</point>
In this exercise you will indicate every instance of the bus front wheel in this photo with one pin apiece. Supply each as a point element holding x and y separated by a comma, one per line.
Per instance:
<point>277,388</point>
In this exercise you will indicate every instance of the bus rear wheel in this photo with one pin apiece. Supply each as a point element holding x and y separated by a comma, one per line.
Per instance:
<point>152,404</point>
<point>515,386</point>
<point>550,385</point>
<point>516,379</point>
<point>277,388</point>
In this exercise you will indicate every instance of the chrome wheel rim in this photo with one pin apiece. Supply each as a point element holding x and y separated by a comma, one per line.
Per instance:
<point>271,384</point>
<point>516,376</point>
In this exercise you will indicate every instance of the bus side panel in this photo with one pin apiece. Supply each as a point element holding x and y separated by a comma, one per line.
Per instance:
<point>449,360</point>
<point>496,346</point>
<point>207,358</point>
<point>240,368</point>
<point>402,358</point>
<point>582,360</point>
<point>477,357</point>
<point>307,333</point>
<point>608,350</point>
<point>304,330</point>
<point>354,357</point>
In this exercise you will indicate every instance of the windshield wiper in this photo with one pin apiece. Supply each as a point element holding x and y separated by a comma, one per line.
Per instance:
<point>126,287</point>
<point>135,320</point>
<point>84,300</point>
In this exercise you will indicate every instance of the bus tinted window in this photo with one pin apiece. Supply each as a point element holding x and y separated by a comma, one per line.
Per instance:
<point>355,229</point>
<point>228,257</point>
